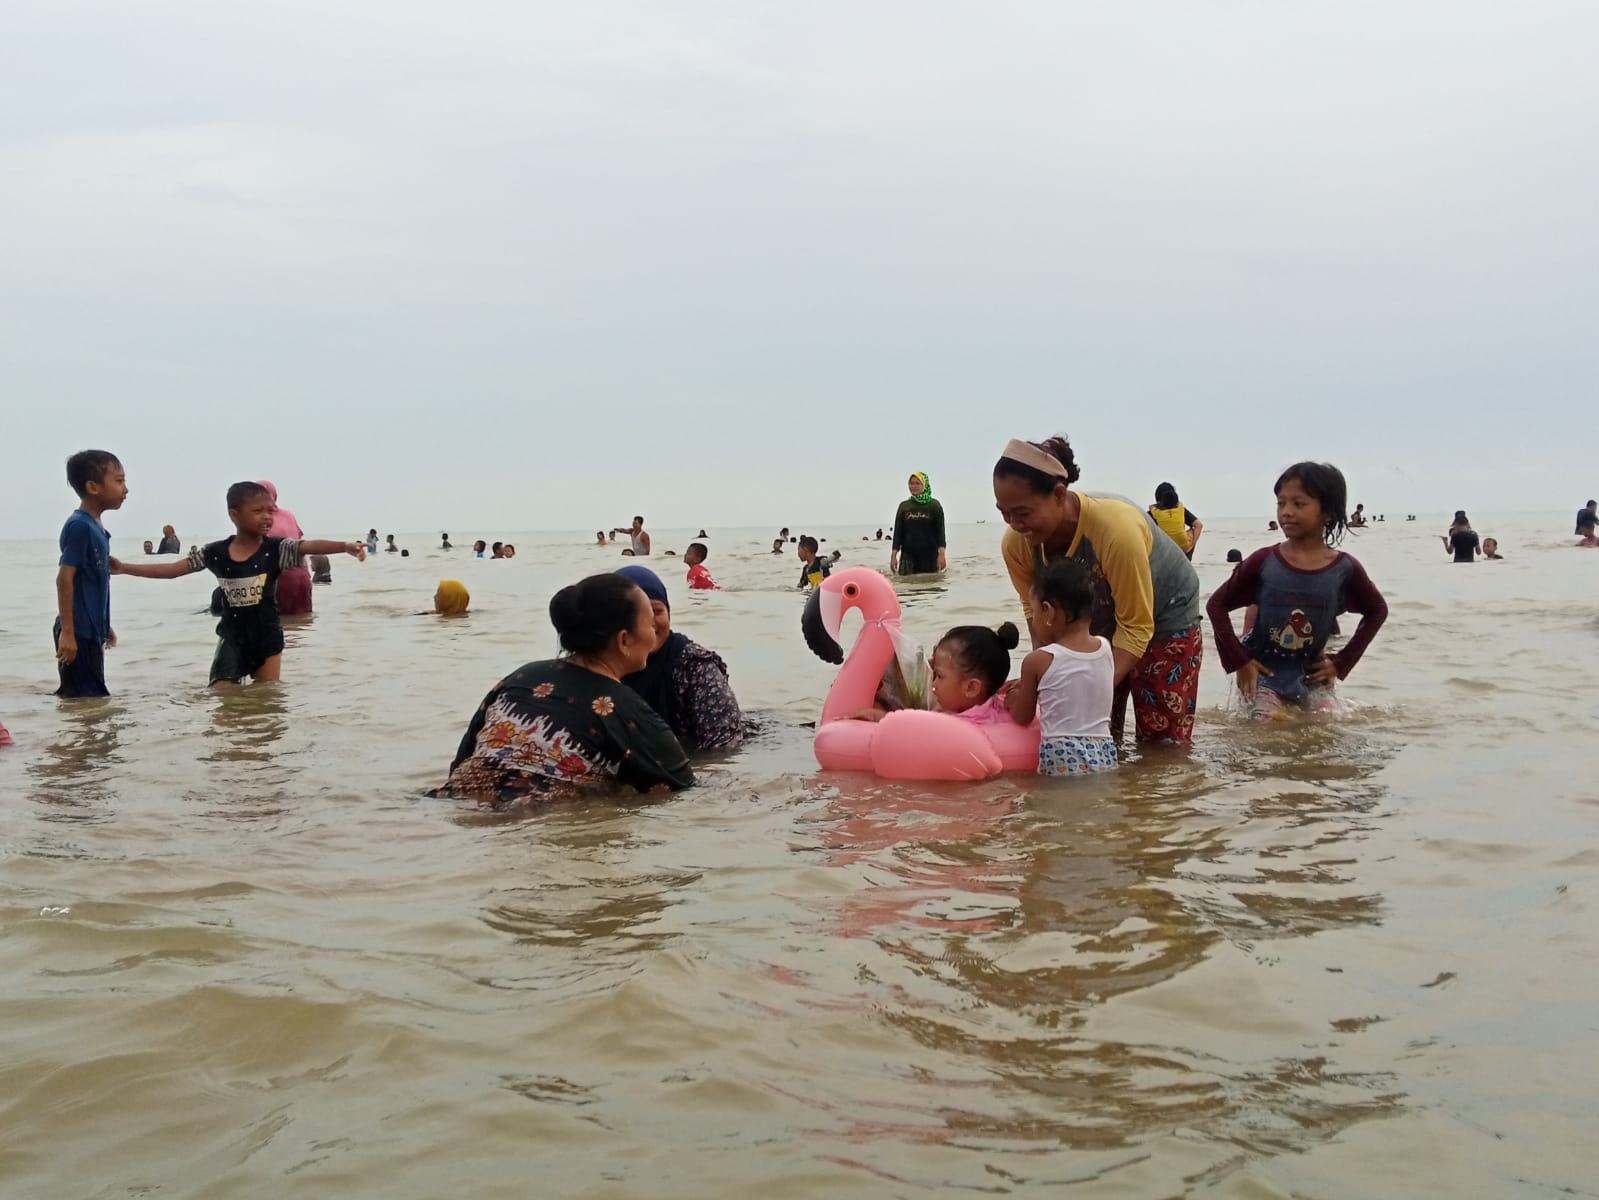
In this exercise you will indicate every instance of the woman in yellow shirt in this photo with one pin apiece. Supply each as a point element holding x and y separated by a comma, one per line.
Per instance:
<point>1147,594</point>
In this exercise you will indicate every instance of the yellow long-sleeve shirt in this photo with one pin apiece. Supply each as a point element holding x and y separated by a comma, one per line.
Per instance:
<point>1150,582</point>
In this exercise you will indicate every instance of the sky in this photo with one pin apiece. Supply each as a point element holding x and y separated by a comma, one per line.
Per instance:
<point>542,266</point>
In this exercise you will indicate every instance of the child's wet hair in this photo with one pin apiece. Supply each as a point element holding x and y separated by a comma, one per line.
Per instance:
<point>89,466</point>
<point>982,652</point>
<point>1038,481</point>
<point>700,546</point>
<point>1067,586</point>
<point>589,613</point>
<point>1166,496</point>
<point>1325,484</point>
<point>243,492</point>
<point>809,543</point>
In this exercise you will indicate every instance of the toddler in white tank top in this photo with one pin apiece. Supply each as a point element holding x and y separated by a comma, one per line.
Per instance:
<point>1070,680</point>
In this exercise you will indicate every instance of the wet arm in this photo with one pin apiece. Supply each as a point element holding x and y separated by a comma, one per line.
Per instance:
<point>328,546</point>
<point>1361,596</point>
<point>64,578</point>
<point>1022,698</point>
<point>171,570</point>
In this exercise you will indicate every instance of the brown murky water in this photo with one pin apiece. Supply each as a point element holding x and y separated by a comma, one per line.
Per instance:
<point>243,957</point>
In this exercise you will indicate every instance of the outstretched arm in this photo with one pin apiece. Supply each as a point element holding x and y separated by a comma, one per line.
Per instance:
<point>171,570</point>
<point>324,546</point>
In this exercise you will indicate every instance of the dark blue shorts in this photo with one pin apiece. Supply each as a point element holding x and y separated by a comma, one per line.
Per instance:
<point>84,675</point>
<point>238,658</point>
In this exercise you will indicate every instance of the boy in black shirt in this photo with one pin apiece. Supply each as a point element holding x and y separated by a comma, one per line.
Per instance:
<point>815,568</point>
<point>247,565</point>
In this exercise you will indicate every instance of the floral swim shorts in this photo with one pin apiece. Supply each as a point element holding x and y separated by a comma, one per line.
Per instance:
<point>1076,755</point>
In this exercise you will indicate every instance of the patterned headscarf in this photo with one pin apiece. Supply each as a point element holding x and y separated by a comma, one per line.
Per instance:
<point>925,496</point>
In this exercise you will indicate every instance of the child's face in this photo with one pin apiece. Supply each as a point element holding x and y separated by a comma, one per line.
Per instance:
<point>1299,513</point>
<point>253,516</point>
<point>111,489</point>
<point>1489,546</point>
<point>806,554</point>
<point>953,690</point>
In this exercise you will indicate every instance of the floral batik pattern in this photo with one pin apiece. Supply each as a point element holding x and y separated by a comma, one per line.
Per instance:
<point>1165,688</point>
<point>553,726</point>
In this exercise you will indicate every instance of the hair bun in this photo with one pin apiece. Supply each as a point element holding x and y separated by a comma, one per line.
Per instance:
<point>1060,446</point>
<point>1009,636</point>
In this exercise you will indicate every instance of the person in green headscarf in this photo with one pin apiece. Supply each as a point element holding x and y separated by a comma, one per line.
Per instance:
<point>918,546</point>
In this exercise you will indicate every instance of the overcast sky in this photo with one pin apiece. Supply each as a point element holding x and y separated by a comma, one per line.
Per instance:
<point>520,265</point>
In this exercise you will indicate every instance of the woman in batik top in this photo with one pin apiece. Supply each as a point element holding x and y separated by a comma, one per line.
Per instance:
<point>685,683</point>
<point>553,726</point>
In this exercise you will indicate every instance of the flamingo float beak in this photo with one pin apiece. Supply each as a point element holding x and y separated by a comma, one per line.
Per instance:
<point>821,622</point>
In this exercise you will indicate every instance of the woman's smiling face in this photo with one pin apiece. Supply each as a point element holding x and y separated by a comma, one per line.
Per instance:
<point>1034,515</point>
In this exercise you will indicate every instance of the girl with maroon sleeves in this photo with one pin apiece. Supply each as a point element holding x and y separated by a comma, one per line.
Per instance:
<point>1300,585</point>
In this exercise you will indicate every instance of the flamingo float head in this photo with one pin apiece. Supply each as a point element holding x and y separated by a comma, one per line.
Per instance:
<point>854,587</point>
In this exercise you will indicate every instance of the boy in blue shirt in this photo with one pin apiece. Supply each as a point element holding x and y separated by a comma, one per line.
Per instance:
<point>83,582</point>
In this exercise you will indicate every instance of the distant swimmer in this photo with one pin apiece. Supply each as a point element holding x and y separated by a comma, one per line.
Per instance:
<point>699,578</point>
<point>1358,517</point>
<point>149,547</point>
<point>640,539</point>
<point>816,567</point>
<point>777,545</point>
<point>450,599</point>
<point>1588,523</point>
<point>1490,550</point>
<point>1179,524</point>
<point>169,541</point>
<point>478,547</point>
<point>1461,540</point>
<point>444,539</point>
<point>391,548</point>
<point>599,538</point>
<point>321,568</point>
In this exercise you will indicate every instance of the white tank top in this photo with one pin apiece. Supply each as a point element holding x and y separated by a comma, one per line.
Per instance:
<point>639,548</point>
<point>1074,695</point>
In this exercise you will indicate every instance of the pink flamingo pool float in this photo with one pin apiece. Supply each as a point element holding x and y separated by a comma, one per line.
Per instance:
<point>912,743</point>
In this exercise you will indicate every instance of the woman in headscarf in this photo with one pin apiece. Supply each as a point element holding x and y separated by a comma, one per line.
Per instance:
<point>450,600</point>
<point>683,681</point>
<point>918,547</point>
<point>294,584</point>
<point>1146,592</point>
